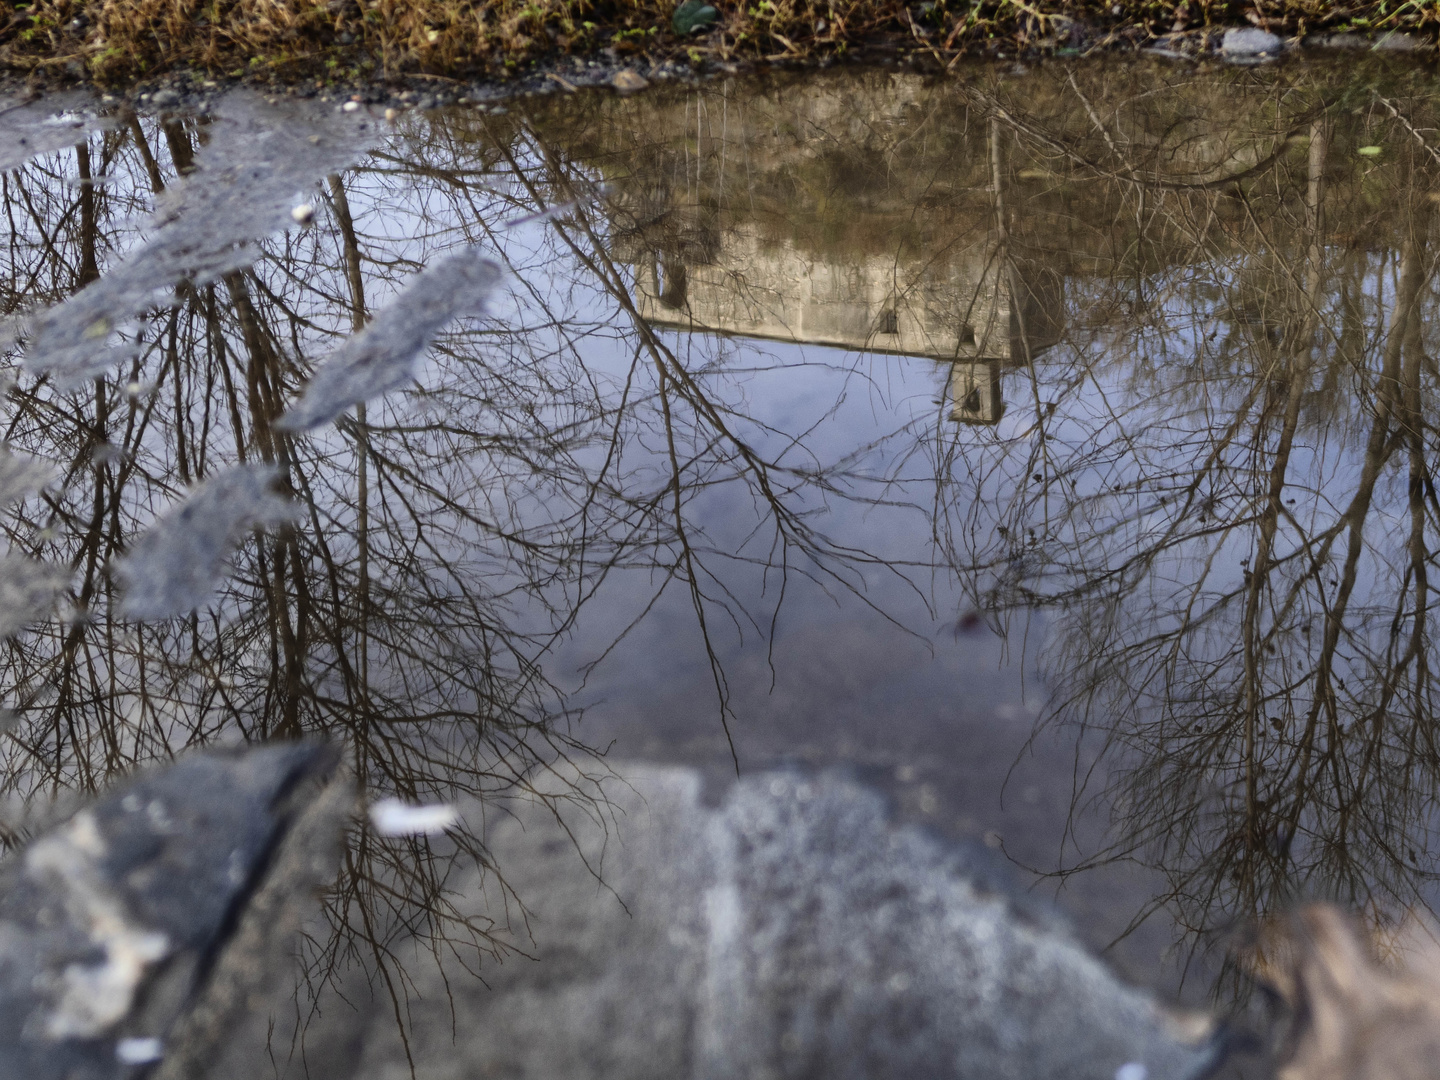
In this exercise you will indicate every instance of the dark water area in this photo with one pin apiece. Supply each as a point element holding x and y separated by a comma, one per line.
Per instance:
<point>1048,448</point>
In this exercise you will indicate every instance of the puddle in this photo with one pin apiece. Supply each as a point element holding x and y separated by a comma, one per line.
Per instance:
<point>1047,448</point>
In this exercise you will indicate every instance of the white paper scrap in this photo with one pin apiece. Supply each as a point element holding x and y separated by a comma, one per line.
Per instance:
<point>139,1051</point>
<point>391,817</point>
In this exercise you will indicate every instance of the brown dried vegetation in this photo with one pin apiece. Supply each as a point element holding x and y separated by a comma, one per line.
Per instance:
<point>1356,1016</point>
<point>120,39</point>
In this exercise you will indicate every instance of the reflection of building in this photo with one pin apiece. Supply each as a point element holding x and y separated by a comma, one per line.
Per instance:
<point>975,391</point>
<point>964,308</point>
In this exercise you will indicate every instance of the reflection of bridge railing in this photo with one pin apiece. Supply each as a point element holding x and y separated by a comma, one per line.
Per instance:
<point>974,311</point>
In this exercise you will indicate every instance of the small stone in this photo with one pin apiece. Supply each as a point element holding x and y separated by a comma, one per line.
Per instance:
<point>164,98</point>
<point>303,214</point>
<point>351,106</point>
<point>1249,41</point>
<point>628,82</point>
<point>391,114</point>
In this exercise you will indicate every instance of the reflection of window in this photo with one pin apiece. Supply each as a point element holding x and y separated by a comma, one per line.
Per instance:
<point>972,402</point>
<point>673,282</point>
<point>889,321</point>
<point>967,334</point>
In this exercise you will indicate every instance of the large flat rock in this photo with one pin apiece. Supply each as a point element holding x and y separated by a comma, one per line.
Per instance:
<point>792,932</point>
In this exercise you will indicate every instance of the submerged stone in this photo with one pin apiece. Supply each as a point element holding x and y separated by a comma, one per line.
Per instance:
<point>1249,41</point>
<point>242,189</point>
<point>382,356</point>
<point>793,932</point>
<point>113,923</point>
<point>175,566</point>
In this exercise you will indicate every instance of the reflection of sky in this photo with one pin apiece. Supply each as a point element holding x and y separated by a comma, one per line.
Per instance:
<point>864,665</point>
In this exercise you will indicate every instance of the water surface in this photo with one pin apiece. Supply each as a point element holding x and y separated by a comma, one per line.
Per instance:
<point>1048,446</point>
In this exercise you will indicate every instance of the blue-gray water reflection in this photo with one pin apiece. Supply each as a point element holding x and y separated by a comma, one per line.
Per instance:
<point>1050,447</point>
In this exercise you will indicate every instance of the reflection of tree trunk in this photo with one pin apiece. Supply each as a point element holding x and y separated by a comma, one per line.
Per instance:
<point>152,168</point>
<point>1410,426</point>
<point>181,152</point>
<point>1405,323</point>
<point>265,400</point>
<point>362,472</point>
<point>1301,343</point>
<point>89,230</point>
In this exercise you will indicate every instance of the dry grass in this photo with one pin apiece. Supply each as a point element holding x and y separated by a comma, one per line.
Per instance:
<point>1364,1006</point>
<point>121,39</point>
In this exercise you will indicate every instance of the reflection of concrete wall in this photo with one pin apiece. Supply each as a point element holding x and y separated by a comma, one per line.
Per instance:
<point>975,392</point>
<point>946,309</point>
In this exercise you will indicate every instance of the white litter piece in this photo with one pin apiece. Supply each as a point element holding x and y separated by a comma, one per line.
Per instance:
<point>175,567</point>
<point>139,1051</point>
<point>391,817</point>
<point>382,357</point>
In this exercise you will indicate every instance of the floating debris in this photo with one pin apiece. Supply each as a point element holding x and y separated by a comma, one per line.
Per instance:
<point>176,566</point>
<point>139,1051</point>
<point>303,214</point>
<point>391,817</point>
<point>382,356</point>
<point>243,188</point>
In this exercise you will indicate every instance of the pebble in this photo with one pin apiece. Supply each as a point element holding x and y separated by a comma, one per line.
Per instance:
<point>303,214</point>
<point>351,106</point>
<point>628,82</point>
<point>1249,41</point>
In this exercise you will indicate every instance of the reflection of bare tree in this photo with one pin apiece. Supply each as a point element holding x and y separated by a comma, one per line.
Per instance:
<point>1216,474</point>
<point>1217,478</point>
<point>448,538</point>
<point>1238,549</point>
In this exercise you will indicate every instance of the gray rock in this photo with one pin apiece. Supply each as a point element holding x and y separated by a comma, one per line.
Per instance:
<point>175,566</point>
<point>1249,41</point>
<point>791,933</point>
<point>112,921</point>
<point>382,356</point>
<point>247,174</point>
